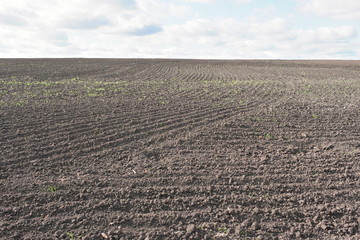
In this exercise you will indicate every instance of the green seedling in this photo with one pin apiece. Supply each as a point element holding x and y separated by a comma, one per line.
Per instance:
<point>314,172</point>
<point>73,236</point>
<point>3,92</point>
<point>202,227</point>
<point>268,136</point>
<point>266,196</point>
<point>307,88</point>
<point>91,94</point>
<point>252,194</point>
<point>99,89</point>
<point>20,103</point>
<point>223,229</point>
<point>244,235</point>
<point>315,116</point>
<point>51,189</point>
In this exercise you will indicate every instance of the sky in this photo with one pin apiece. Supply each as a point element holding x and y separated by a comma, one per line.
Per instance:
<point>196,29</point>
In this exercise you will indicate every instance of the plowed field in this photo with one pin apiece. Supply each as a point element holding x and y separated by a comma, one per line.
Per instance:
<point>179,149</point>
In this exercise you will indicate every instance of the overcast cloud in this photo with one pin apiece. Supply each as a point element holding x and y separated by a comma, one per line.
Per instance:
<point>230,29</point>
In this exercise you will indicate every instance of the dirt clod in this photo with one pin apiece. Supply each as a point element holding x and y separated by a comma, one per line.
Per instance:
<point>255,226</point>
<point>190,229</point>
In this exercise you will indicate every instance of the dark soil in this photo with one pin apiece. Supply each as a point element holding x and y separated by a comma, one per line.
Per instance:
<point>179,149</point>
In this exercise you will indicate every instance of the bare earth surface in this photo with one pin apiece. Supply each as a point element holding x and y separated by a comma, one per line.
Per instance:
<point>179,149</point>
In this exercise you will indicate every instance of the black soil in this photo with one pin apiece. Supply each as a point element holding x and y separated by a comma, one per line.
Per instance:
<point>179,149</point>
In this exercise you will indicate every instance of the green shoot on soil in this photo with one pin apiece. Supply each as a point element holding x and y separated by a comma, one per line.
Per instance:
<point>73,236</point>
<point>268,136</point>
<point>223,229</point>
<point>244,235</point>
<point>51,189</point>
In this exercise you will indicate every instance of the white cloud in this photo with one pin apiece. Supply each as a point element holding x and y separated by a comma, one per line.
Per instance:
<point>343,10</point>
<point>326,34</point>
<point>230,38</point>
<point>194,28</point>
<point>86,22</point>
<point>209,1</point>
<point>156,28</point>
<point>12,20</point>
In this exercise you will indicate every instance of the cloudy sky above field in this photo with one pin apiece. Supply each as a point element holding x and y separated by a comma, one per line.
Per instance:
<point>226,29</point>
